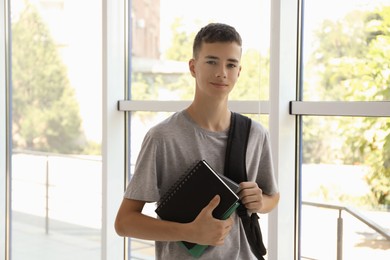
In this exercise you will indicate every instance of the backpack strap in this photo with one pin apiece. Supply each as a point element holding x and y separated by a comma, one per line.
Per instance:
<point>235,157</point>
<point>235,169</point>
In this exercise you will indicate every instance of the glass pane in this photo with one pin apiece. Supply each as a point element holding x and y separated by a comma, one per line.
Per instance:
<point>141,122</point>
<point>346,172</point>
<point>346,54</point>
<point>56,129</point>
<point>161,46</point>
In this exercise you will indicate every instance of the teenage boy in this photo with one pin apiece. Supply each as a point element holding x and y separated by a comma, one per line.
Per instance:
<point>200,132</point>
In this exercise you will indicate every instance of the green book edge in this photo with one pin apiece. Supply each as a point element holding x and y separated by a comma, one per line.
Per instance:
<point>197,250</point>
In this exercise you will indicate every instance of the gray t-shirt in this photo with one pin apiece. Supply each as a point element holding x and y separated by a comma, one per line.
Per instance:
<point>172,146</point>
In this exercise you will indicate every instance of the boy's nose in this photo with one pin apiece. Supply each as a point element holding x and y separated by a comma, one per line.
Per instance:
<point>221,73</point>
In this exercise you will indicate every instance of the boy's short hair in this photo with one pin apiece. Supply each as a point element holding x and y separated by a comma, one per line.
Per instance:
<point>215,32</point>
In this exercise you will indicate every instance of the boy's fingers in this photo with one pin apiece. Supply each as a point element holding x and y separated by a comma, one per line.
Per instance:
<point>213,203</point>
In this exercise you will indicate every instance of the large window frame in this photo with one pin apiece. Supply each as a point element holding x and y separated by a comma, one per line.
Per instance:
<point>4,130</point>
<point>285,110</point>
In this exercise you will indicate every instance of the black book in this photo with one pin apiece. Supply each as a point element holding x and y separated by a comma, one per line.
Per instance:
<point>191,193</point>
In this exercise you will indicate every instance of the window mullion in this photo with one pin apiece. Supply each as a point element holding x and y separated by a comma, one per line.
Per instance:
<point>340,108</point>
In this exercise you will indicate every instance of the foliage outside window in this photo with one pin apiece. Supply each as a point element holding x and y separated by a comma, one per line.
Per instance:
<point>351,62</point>
<point>46,114</point>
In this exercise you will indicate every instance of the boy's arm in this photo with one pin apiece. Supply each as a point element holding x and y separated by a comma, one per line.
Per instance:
<point>205,230</point>
<point>269,202</point>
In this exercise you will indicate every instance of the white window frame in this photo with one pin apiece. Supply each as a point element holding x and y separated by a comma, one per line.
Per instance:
<point>113,143</point>
<point>4,132</point>
<point>282,227</point>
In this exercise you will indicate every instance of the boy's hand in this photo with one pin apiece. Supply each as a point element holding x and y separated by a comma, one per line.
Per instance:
<point>207,230</point>
<point>251,196</point>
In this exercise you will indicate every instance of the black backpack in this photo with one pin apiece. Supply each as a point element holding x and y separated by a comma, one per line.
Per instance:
<point>235,169</point>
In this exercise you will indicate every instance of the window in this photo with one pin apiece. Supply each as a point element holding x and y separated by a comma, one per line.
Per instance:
<point>56,130</point>
<point>341,107</point>
<point>345,131</point>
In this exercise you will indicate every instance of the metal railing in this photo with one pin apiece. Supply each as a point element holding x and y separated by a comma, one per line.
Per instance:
<point>353,213</point>
<point>47,158</point>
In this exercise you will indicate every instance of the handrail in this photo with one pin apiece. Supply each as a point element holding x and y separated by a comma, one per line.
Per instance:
<point>50,154</point>
<point>354,213</point>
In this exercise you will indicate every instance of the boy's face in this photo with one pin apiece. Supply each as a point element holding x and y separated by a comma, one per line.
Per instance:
<point>216,68</point>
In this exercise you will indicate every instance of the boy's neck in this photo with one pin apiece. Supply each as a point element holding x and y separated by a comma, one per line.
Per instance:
<point>214,117</point>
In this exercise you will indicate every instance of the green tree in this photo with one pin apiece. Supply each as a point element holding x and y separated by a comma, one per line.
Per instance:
<point>352,63</point>
<point>45,111</point>
<point>181,47</point>
<point>253,83</point>
<point>378,35</point>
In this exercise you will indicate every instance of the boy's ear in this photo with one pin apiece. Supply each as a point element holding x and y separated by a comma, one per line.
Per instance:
<point>191,65</point>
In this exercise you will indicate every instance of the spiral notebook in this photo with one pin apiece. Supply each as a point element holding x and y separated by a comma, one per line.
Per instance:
<point>191,193</point>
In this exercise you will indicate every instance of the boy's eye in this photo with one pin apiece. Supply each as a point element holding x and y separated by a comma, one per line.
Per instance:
<point>232,65</point>
<point>211,62</point>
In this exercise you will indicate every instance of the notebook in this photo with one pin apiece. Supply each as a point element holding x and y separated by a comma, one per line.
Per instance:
<point>191,193</point>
